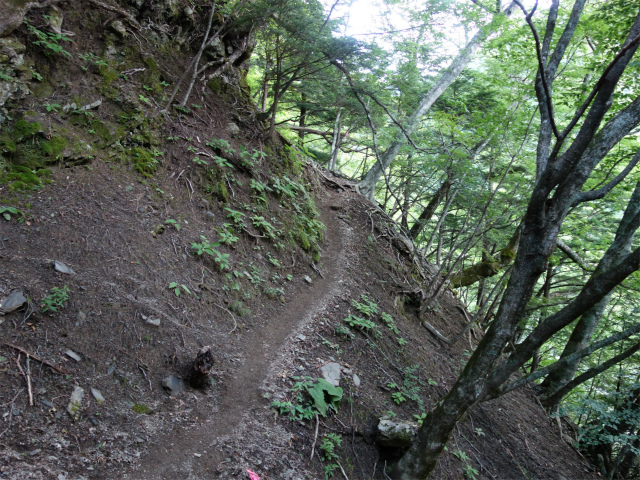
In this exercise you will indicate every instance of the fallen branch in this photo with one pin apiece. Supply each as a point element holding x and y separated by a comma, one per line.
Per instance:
<point>437,334</point>
<point>27,378</point>
<point>315,438</point>
<point>35,358</point>
<point>235,324</point>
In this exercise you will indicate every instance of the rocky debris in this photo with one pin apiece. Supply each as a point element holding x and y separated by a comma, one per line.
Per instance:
<point>356,380</point>
<point>173,385</point>
<point>396,434</point>
<point>97,394</point>
<point>74,355</point>
<point>118,27</point>
<point>154,322</point>
<point>215,49</point>
<point>307,279</point>
<point>92,105</point>
<point>232,129</point>
<point>331,372</point>
<point>62,268</point>
<point>55,19</point>
<point>199,377</point>
<point>301,337</point>
<point>69,106</point>
<point>75,402</point>
<point>12,302</point>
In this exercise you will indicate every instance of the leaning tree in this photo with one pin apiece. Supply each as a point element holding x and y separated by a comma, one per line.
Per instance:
<point>566,157</point>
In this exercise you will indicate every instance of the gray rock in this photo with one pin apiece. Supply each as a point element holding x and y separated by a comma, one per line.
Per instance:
<point>35,452</point>
<point>356,380</point>
<point>307,279</point>
<point>62,268</point>
<point>331,373</point>
<point>399,435</point>
<point>232,129</point>
<point>75,402</point>
<point>81,316</point>
<point>301,338</point>
<point>118,27</point>
<point>69,106</point>
<point>55,19</point>
<point>12,302</point>
<point>97,394</point>
<point>48,404</point>
<point>154,322</point>
<point>74,355</point>
<point>173,385</point>
<point>91,106</point>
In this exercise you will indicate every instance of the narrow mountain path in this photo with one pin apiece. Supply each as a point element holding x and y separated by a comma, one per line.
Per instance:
<point>191,453</point>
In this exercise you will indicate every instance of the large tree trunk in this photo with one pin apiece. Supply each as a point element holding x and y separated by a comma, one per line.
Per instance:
<point>430,209</point>
<point>557,190</point>
<point>367,185</point>
<point>583,331</point>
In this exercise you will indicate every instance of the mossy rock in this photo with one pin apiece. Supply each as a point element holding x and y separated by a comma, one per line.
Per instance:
<point>23,130</point>
<point>143,161</point>
<point>54,147</point>
<point>24,178</point>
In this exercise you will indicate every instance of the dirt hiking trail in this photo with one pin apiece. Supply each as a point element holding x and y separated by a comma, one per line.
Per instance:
<point>192,453</point>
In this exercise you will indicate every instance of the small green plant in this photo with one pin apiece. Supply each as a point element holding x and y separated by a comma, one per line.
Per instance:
<point>91,58</point>
<point>469,471</point>
<point>205,246</point>
<point>368,307</point>
<point>221,145</point>
<point>363,324</point>
<point>420,418</point>
<point>173,223</point>
<point>344,332</point>
<point>480,432</point>
<point>397,397</point>
<point>49,41</point>
<point>274,260</point>
<point>389,322</point>
<point>51,107</point>
<point>6,212</point>
<point>237,217</point>
<point>401,341</point>
<point>333,346</point>
<point>55,300</point>
<point>177,288</point>
<point>144,99</point>
<point>199,161</point>
<point>320,397</point>
<point>250,159</point>
<point>222,162</point>
<point>328,447</point>
<point>227,237</point>
<point>285,187</point>
<point>264,226</point>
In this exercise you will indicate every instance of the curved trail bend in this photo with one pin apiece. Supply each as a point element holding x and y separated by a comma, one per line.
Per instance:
<point>172,457</point>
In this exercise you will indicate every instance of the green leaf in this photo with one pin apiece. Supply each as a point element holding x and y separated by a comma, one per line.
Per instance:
<point>6,216</point>
<point>173,285</point>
